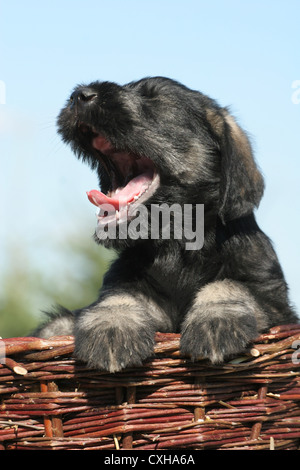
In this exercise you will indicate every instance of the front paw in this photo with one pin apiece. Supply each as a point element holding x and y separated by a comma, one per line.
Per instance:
<point>222,322</point>
<point>113,343</point>
<point>217,337</point>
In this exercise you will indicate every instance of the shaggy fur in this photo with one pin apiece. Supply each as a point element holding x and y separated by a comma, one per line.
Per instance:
<point>220,297</point>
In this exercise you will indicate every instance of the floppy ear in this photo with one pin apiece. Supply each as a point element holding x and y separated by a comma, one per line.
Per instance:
<point>241,183</point>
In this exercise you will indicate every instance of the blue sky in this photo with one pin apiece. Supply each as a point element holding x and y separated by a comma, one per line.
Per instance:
<point>244,53</point>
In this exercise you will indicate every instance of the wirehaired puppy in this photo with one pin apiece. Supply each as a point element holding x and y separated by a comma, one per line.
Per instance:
<point>155,142</point>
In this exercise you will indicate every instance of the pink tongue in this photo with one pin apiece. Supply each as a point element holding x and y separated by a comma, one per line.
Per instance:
<point>125,195</point>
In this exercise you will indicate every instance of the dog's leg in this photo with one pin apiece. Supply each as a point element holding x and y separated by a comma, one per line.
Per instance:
<point>118,331</point>
<point>222,321</point>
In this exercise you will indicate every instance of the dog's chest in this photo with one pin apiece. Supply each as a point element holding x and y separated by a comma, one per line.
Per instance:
<point>176,277</point>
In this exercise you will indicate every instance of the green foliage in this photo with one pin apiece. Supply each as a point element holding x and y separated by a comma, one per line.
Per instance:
<point>28,287</point>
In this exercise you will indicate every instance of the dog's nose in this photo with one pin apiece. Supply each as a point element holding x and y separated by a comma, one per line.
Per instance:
<point>82,96</point>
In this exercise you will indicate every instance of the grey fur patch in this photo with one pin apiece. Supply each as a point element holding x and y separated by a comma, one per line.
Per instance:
<point>56,324</point>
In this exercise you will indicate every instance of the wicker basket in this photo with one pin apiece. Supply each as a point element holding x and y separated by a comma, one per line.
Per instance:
<point>51,401</point>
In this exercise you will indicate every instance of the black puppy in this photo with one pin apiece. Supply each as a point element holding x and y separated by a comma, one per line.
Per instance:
<point>155,142</point>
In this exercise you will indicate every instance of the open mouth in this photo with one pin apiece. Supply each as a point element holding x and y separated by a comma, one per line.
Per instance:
<point>133,179</point>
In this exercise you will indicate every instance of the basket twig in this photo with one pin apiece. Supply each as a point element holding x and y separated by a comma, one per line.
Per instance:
<point>51,400</point>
